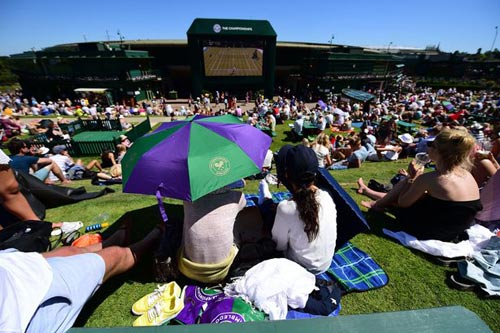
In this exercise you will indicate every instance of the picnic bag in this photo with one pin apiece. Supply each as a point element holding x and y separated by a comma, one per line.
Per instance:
<point>26,236</point>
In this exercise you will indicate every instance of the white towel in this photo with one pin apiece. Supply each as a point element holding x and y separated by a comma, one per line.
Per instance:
<point>273,285</point>
<point>478,238</point>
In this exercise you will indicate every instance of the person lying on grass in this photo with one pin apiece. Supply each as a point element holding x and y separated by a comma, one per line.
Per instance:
<point>46,292</point>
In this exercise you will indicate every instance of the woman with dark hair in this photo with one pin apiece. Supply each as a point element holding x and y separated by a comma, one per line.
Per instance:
<point>436,205</point>
<point>305,227</point>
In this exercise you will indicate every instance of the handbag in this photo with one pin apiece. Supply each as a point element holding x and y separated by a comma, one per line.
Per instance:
<point>27,236</point>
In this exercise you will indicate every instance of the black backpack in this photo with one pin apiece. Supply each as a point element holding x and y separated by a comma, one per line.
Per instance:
<point>27,236</point>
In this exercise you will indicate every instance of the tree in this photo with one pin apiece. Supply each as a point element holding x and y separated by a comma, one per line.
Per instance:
<point>6,76</point>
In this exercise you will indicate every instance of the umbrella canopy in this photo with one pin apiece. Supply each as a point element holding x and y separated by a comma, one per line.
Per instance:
<point>188,159</point>
<point>358,94</point>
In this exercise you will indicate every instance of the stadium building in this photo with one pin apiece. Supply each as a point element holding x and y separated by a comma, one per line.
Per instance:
<point>235,56</point>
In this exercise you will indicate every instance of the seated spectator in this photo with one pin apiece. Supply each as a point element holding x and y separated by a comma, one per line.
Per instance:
<point>436,205</point>
<point>207,250</point>
<point>321,147</point>
<point>69,166</point>
<point>54,132</point>
<point>107,158</point>
<point>304,227</point>
<point>121,150</point>
<point>485,166</point>
<point>114,175</point>
<point>35,128</point>
<point>489,216</point>
<point>385,153</point>
<point>125,141</point>
<point>125,124</point>
<point>41,166</point>
<point>359,153</point>
<point>47,291</point>
<point>11,128</point>
<point>298,125</point>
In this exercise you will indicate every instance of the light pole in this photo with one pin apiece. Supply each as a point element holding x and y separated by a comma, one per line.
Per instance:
<point>384,85</point>
<point>494,38</point>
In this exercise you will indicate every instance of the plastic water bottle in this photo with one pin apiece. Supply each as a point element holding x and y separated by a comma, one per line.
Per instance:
<point>97,226</point>
<point>101,221</point>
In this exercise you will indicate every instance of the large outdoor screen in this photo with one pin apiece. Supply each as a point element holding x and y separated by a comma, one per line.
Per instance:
<point>233,58</point>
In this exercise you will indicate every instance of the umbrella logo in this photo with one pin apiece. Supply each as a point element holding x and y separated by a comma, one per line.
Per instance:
<point>219,166</point>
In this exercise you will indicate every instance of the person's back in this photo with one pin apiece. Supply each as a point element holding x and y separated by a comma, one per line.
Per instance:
<point>298,125</point>
<point>208,226</point>
<point>444,201</point>
<point>305,227</point>
<point>288,232</point>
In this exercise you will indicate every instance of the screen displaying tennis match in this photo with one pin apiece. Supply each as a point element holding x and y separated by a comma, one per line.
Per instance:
<point>233,58</point>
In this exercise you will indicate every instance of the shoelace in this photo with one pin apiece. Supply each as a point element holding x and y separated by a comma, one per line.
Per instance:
<point>156,293</point>
<point>154,312</point>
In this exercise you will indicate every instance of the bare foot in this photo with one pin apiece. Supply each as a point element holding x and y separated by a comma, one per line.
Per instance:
<point>362,187</point>
<point>66,181</point>
<point>372,205</point>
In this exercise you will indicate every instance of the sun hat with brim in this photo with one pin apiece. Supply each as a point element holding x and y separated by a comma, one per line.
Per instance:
<point>406,138</point>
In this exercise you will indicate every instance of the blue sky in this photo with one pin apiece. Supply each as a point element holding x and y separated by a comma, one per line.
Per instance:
<point>455,24</point>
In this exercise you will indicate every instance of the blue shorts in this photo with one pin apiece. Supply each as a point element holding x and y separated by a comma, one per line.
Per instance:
<point>76,279</point>
<point>42,173</point>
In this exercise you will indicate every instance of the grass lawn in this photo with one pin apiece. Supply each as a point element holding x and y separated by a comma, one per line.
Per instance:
<point>415,281</point>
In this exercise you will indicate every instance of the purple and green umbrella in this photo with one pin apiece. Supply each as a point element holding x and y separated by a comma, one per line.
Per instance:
<point>187,159</point>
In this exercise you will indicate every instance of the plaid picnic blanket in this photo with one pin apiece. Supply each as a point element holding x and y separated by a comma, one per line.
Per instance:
<point>253,198</point>
<point>355,270</point>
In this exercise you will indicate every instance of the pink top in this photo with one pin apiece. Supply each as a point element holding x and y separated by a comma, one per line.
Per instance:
<point>490,199</point>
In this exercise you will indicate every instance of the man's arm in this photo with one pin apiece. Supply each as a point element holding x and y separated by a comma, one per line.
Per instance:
<point>11,197</point>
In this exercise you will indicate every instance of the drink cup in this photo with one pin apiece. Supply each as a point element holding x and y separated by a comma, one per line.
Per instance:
<point>482,154</point>
<point>421,159</point>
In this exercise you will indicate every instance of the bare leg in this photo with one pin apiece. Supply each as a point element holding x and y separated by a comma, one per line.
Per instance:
<point>94,163</point>
<point>117,259</point>
<point>363,189</point>
<point>390,199</point>
<point>58,172</point>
